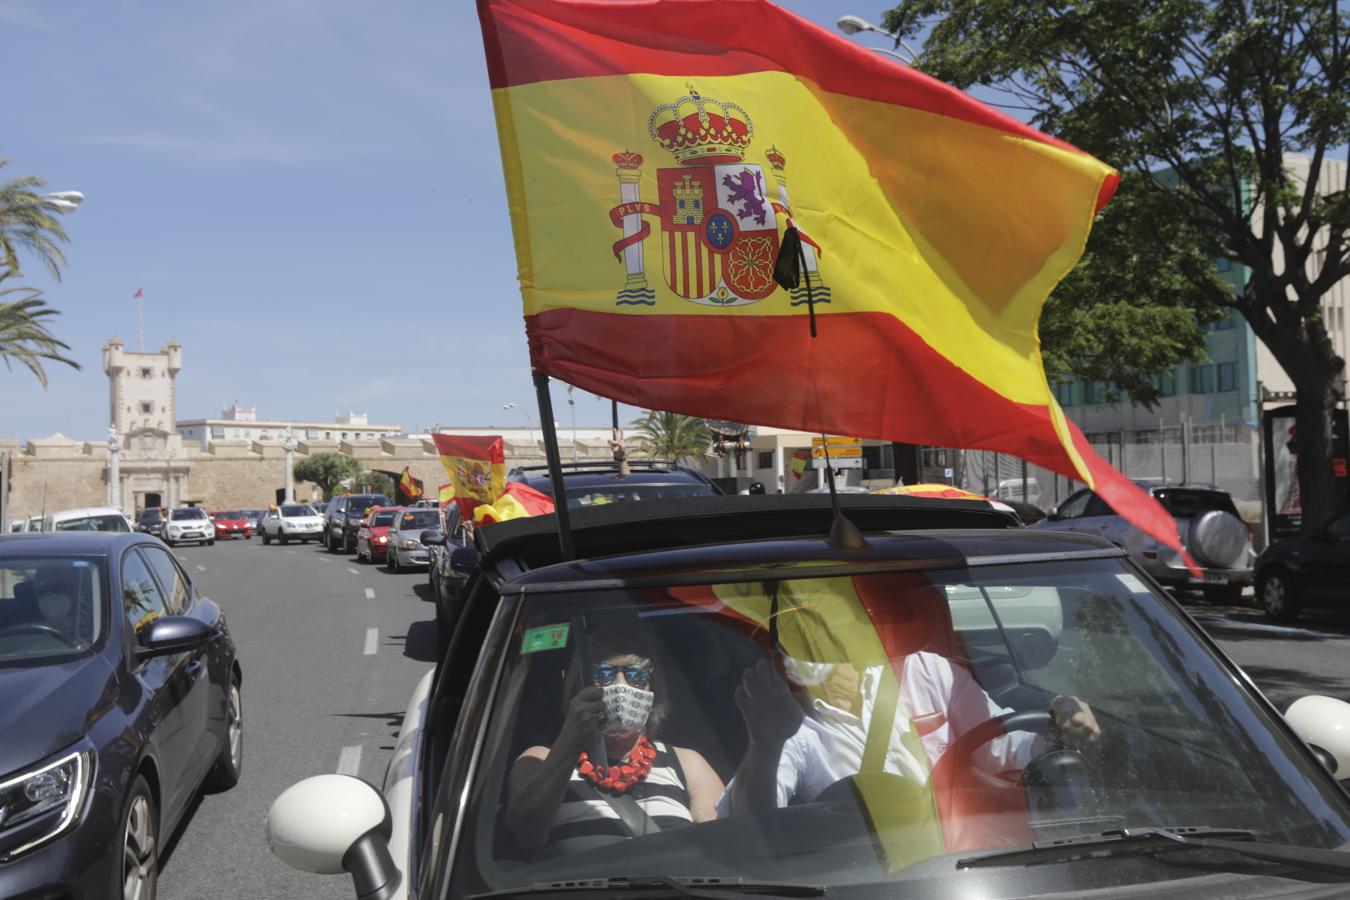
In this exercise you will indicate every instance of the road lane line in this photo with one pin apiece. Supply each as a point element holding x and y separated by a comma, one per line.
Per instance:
<point>370,593</point>
<point>201,568</point>
<point>1248,625</point>
<point>349,761</point>
<point>291,552</point>
<point>353,571</point>
<point>323,559</point>
<point>372,638</point>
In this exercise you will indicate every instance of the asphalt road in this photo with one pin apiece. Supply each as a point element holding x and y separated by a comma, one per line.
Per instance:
<point>331,650</point>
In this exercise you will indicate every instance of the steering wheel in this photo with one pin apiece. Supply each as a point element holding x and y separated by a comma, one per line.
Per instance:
<point>39,628</point>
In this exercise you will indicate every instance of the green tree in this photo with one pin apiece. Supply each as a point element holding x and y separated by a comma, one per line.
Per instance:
<point>327,470</point>
<point>28,222</point>
<point>376,482</point>
<point>673,436</point>
<point>24,337</point>
<point>1201,104</point>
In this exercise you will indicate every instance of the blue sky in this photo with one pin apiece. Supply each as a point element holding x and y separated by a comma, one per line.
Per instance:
<point>308,191</point>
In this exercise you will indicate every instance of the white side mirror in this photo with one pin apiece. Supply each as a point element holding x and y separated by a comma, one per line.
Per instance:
<point>314,822</point>
<point>1324,722</point>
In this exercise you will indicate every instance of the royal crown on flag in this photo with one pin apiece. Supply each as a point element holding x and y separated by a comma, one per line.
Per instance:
<point>700,131</point>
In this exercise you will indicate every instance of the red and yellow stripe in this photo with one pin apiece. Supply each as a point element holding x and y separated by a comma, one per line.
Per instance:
<point>943,227</point>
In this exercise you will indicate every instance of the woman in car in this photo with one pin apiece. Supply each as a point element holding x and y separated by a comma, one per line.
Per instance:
<point>561,799</point>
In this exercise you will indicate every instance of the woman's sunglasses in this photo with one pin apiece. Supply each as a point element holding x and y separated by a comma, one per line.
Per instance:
<point>604,674</point>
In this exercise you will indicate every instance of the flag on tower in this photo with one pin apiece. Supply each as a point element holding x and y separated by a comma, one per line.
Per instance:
<point>137,295</point>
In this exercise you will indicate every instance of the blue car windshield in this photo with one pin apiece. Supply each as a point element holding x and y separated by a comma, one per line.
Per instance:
<point>50,608</point>
<point>901,721</point>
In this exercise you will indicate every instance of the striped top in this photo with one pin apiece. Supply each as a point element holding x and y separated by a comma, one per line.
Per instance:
<point>662,795</point>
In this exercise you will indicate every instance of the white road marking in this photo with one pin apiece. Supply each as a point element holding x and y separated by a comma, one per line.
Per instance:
<point>323,559</point>
<point>349,761</point>
<point>372,638</point>
<point>370,593</point>
<point>1263,626</point>
<point>353,571</point>
<point>201,568</point>
<point>292,552</point>
<point>181,557</point>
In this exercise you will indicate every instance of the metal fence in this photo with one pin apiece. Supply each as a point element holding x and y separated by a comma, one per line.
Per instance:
<point>1213,453</point>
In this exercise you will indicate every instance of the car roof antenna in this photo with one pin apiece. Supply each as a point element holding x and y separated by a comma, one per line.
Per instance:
<point>844,535</point>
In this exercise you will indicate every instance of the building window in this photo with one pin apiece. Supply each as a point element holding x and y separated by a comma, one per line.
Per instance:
<point>342,435</point>
<point>1202,379</point>
<point>935,457</point>
<point>1227,377</point>
<point>1225,322</point>
<point>765,460</point>
<point>311,433</point>
<point>217,433</point>
<point>1094,392</point>
<point>328,435</point>
<point>146,373</point>
<point>147,407</point>
<point>1167,384</point>
<point>1064,393</point>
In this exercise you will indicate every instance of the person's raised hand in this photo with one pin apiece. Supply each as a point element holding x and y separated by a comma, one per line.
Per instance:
<point>1075,722</point>
<point>584,720</point>
<point>771,713</point>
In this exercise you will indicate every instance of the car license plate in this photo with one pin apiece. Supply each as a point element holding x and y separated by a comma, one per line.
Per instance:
<point>1211,578</point>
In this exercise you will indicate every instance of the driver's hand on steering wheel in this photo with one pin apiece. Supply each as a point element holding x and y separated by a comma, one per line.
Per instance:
<point>772,714</point>
<point>1074,721</point>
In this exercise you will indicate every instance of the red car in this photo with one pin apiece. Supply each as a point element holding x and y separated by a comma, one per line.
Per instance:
<point>372,541</point>
<point>231,524</point>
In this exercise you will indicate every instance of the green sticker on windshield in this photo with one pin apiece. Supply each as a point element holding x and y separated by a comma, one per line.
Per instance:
<point>549,637</point>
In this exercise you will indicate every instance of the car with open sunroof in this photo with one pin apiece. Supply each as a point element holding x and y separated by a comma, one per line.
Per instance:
<point>713,699</point>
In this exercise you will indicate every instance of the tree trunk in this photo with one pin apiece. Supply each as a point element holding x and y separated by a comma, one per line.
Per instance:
<point>1314,408</point>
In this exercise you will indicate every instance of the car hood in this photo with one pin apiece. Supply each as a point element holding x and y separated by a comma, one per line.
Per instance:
<point>231,523</point>
<point>44,709</point>
<point>378,530</point>
<point>184,523</point>
<point>303,520</point>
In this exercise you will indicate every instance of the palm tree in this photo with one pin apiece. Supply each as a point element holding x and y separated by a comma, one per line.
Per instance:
<point>673,436</point>
<point>28,222</point>
<point>23,334</point>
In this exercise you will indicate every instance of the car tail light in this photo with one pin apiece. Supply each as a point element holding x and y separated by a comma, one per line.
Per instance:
<point>1150,554</point>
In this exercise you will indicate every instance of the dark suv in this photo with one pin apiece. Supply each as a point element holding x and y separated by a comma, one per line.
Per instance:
<point>343,519</point>
<point>598,483</point>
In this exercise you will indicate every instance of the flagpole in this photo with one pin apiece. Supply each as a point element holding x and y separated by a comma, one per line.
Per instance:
<point>140,304</point>
<point>555,475</point>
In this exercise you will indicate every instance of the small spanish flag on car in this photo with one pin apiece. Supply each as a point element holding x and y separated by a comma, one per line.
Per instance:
<point>408,486</point>
<point>476,465</point>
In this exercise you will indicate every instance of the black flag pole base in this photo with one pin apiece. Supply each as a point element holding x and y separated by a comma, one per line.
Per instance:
<point>545,400</point>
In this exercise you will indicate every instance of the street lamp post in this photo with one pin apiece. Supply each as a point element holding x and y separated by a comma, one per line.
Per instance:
<point>856,25</point>
<point>526,413</point>
<point>114,470</point>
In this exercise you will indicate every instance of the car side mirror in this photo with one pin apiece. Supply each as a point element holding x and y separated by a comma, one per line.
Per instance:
<point>1052,513</point>
<point>335,823</point>
<point>1324,724</point>
<point>434,536</point>
<point>464,560</point>
<point>172,634</point>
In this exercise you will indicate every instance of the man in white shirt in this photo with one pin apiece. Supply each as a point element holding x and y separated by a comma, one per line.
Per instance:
<point>804,740</point>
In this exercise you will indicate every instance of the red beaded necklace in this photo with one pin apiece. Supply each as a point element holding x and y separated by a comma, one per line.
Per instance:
<point>621,777</point>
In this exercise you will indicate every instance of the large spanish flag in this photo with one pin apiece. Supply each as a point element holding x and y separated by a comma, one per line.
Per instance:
<point>648,149</point>
<point>476,465</point>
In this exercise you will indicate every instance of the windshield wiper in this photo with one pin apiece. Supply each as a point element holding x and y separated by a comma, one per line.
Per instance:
<point>1125,841</point>
<point>700,887</point>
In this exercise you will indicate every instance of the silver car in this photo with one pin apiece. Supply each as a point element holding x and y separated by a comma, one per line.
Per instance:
<point>405,538</point>
<point>1207,521</point>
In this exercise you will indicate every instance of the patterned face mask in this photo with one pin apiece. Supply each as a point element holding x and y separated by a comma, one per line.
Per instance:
<point>627,707</point>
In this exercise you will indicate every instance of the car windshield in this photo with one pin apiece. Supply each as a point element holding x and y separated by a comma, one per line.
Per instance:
<point>419,518</point>
<point>228,515</point>
<point>384,519</point>
<point>901,723</point>
<point>151,516</point>
<point>619,493</point>
<point>1183,503</point>
<point>49,608</point>
<point>93,523</point>
<point>358,504</point>
<point>191,512</point>
<point>294,512</point>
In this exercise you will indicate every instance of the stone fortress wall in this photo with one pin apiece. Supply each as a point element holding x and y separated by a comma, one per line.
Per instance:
<point>59,473</point>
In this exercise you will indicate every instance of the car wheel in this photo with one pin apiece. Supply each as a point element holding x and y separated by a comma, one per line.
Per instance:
<point>136,876</point>
<point>1278,597</point>
<point>168,542</point>
<point>1223,594</point>
<point>211,542</point>
<point>266,539</point>
<point>230,763</point>
<point>282,539</point>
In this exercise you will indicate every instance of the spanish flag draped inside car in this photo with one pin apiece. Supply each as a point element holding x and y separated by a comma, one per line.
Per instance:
<point>648,149</point>
<point>476,465</point>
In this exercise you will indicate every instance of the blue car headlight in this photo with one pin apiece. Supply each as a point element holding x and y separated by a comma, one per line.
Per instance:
<point>54,790</point>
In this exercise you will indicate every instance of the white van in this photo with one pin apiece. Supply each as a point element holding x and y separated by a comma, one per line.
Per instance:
<point>1011,489</point>
<point>87,518</point>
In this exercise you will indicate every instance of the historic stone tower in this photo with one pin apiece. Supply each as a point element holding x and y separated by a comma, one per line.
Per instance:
<point>143,421</point>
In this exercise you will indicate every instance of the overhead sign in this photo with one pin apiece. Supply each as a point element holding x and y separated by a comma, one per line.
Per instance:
<point>837,452</point>
<point>848,462</point>
<point>836,442</point>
